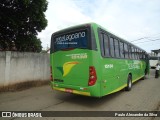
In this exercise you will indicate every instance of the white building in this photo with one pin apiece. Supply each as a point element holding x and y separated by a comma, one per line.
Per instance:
<point>154,58</point>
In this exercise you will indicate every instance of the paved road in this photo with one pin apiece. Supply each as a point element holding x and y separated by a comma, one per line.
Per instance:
<point>145,95</point>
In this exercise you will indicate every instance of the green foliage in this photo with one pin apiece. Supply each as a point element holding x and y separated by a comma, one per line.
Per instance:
<point>20,22</point>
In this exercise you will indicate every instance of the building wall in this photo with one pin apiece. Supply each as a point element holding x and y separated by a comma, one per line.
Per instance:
<point>16,67</point>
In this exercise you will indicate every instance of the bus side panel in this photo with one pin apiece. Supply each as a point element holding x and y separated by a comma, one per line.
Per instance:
<point>137,69</point>
<point>115,73</point>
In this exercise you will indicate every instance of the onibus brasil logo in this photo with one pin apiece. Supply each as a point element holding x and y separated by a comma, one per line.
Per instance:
<point>67,67</point>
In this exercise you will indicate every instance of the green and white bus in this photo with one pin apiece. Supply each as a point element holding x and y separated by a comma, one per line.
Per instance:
<point>88,60</point>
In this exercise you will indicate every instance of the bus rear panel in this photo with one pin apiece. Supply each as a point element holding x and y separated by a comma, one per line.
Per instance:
<point>72,60</point>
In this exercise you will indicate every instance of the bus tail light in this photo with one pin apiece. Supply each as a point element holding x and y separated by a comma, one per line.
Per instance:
<point>92,76</point>
<point>51,77</point>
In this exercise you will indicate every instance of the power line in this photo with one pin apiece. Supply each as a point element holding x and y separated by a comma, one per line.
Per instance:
<point>145,37</point>
<point>148,41</point>
<point>139,39</point>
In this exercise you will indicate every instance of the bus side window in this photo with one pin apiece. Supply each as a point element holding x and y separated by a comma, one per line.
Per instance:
<point>138,54</point>
<point>106,45</point>
<point>117,52</point>
<point>135,53</point>
<point>126,50</point>
<point>111,47</point>
<point>121,50</point>
<point>133,56</point>
<point>144,56</point>
<point>129,52</point>
<point>102,44</point>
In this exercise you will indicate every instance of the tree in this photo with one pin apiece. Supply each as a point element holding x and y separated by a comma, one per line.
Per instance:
<point>20,22</point>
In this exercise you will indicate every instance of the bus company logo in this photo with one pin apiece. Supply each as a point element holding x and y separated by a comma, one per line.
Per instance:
<point>67,67</point>
<point>69,37</point>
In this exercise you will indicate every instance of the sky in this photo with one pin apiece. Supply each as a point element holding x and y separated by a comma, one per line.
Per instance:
<point>136,21</point>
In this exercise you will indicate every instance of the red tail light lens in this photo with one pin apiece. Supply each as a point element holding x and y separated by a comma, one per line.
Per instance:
<point>51,77</point>
<point>92,76</point>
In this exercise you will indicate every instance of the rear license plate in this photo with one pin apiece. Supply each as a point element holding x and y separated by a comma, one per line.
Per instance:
<point>69,90</point>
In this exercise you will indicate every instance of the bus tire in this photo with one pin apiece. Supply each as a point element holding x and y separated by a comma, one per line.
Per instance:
<point>129,83</point>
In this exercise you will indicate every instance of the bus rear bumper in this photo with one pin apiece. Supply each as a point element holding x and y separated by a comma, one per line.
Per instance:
<point>72,91</point>
<point>85,91</point>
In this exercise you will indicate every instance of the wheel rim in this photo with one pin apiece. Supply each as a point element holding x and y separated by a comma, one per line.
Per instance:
<point>130,83</point>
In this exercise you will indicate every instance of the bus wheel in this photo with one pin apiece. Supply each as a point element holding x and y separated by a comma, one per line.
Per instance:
<point>129,83</point>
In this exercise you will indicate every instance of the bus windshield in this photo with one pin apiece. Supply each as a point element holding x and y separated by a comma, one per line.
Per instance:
<point>71,40</point>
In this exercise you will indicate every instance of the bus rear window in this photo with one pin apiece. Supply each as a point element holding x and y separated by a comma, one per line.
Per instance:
<point>71,40</point>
